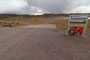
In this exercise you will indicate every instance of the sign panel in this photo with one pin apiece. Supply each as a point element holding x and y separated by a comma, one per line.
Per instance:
<point>78,19</point>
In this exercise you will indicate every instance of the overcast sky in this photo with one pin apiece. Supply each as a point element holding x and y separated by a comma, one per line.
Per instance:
<point>37,7</point>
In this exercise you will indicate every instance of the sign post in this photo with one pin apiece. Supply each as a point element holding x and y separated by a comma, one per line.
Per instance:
<point>77,25</point>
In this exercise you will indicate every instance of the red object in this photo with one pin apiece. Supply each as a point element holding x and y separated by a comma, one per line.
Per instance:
<point>10,25</point>
<point>80,30</point>
<point>75,30</point>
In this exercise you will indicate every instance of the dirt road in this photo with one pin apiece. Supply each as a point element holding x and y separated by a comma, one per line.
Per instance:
<point>41,44</point>
<point>52,26</point>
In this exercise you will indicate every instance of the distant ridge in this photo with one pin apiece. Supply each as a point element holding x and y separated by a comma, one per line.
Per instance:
<point>44,15</point>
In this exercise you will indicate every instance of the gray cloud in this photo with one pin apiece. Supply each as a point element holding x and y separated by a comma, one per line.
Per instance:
<point>44,6</point>
<point>58,6</point>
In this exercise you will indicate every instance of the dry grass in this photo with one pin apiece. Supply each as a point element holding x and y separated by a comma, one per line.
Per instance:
<point>18,25</point>
<point>0,25</point>
<point>26,20</point>
<point>61,24</point>
<point>13,25</point>
<point>33,21</point>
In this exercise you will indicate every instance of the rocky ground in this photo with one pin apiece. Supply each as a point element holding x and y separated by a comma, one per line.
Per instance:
<point>42,44</point>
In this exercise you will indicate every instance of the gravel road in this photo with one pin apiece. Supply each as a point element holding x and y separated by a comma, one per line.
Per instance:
<point>41,44</point>
<point>51,26</point>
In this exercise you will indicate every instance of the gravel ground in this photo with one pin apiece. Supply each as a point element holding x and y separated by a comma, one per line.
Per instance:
<point>41,44</point>
<point>53,26</point>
